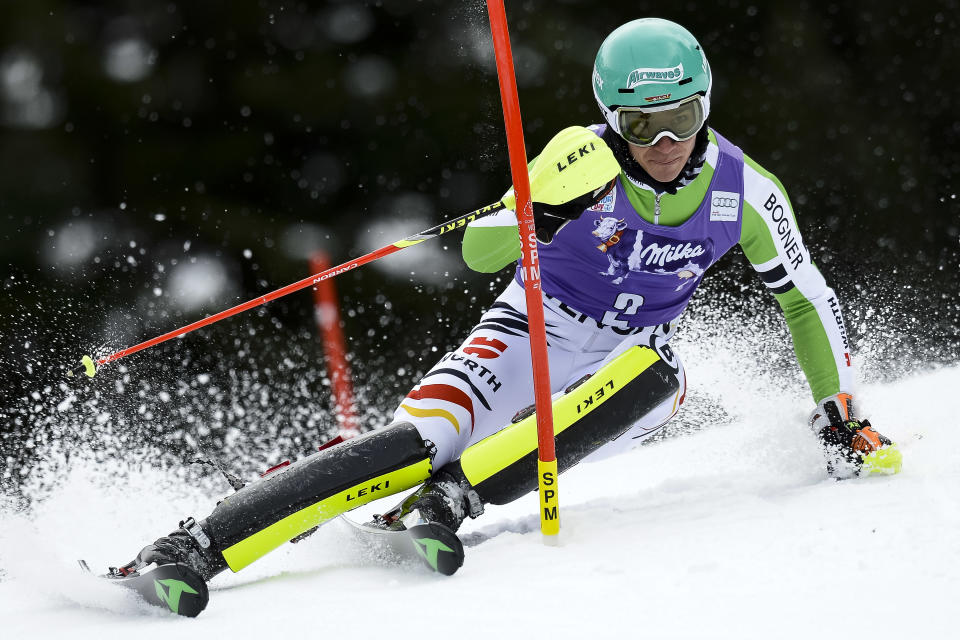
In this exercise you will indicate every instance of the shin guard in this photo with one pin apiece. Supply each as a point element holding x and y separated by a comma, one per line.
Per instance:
<point>503,467</point>
<point>291,501</point>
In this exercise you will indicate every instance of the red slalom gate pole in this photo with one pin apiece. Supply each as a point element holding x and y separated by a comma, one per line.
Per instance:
<point>547,457</point>
<point>327,312</point>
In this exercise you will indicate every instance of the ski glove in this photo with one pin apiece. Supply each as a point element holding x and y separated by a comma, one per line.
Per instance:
<point>851,445</point>
<point>551,218</point>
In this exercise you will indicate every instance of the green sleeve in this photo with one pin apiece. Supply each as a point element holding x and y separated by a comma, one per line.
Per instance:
<point>810,344</point>
<point>489,249</point>
<point>806,315</point>
<point>491,243</point>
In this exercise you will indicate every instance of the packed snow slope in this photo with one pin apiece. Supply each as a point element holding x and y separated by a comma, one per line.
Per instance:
<point>732,531</point>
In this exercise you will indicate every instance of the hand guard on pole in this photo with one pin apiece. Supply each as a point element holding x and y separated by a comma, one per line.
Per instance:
<point>575,170</point>
<point>551,218</point>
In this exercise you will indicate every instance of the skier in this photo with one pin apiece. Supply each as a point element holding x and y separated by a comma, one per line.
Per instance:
<point>619,265</point>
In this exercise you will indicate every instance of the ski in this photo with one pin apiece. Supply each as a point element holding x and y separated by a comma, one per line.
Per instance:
<point>174,587</point>
<point>428,543</point>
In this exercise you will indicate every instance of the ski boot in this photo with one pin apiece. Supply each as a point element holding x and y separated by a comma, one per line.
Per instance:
<point>189,545</point>
<point>446,498</point>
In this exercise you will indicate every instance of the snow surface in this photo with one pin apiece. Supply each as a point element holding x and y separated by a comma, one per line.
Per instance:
<point>728,532</point>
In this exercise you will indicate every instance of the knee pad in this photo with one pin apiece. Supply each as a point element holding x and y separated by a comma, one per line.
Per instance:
<point>291,501</point>
<point>503,467</point>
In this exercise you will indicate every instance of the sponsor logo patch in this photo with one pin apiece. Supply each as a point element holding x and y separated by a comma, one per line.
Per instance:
<point>473,367</point>
<point>597,79</point>
<point>838,318</point>
<point>663,96</point>
<point>789,237</point>
<point>607,203</point>
<point>724,206</point>
<point>486,348</point>
<point>639,77</point>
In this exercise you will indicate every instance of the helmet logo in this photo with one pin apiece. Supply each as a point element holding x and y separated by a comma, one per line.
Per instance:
<point>665,96</point>
<point>638,77</point>
<point>597,79</point>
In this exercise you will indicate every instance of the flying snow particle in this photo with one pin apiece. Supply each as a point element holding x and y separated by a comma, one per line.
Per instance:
<point>369,77</point>
<point>72,244</point>
<point>348,23</point>
<point>128,60</point>
<point>195,284</point>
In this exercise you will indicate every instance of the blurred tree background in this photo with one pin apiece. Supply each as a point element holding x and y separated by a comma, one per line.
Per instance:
<point>164,160</point>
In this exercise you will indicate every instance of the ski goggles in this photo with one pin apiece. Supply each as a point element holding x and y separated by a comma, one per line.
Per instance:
<point>644,126</point>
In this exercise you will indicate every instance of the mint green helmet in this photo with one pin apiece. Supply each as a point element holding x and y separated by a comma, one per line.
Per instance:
<point>651,65</point>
